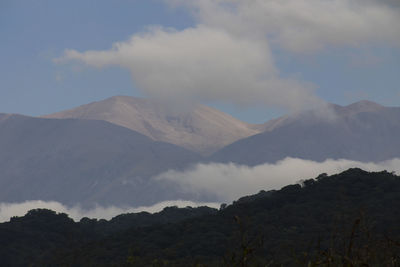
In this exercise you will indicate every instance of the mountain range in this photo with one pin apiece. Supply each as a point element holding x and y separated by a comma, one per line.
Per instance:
<point>107,152</point>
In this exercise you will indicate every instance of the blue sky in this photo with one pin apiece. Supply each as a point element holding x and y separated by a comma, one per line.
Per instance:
<point>340,67</point>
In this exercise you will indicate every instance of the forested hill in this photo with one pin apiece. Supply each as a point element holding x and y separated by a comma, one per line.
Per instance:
<point>350,218</point>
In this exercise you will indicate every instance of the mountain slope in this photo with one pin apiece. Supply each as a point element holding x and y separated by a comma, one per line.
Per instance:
<point>363,131</point>
<point>83,161</point>
<point>202,129</point>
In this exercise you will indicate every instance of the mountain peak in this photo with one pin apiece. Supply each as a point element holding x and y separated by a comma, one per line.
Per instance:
<point>363,106</point>
<point>125,98</point>
<point>202,129</point>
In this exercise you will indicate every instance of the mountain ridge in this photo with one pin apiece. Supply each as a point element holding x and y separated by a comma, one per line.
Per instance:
<point>77,161</point>
<point>202,129</point>
<point>362,131</point>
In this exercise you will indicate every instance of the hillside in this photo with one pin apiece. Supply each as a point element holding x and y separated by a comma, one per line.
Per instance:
<point>349,218</point>
<point>201,129</point>
<point>83,161</point>
<point>363,131</point>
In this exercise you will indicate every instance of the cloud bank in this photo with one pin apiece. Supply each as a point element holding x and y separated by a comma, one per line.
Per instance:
<point>8,210</point>
<point>230,181</point>
<point>225,182</point>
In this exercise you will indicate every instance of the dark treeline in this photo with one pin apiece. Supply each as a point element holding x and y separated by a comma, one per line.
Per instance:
<point>348,219</point>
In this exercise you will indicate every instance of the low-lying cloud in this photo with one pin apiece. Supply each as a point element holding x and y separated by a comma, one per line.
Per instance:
<point>230,181</point>
<point>8,210</point>
<point>225,182</point>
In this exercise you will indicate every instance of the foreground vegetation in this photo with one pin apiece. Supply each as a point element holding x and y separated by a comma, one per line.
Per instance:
<point>349,219</point>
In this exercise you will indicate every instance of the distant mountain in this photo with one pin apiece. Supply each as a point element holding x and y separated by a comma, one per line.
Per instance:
<point>202,129</point>
<point>95,161</point>
<point>83,161</point>
<point>363,131</point>
<point>348,219</point>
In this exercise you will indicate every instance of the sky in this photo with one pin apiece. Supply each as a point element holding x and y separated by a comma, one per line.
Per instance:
<point>253,59</point>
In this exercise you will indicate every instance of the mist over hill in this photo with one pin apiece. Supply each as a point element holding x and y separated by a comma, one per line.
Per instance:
<point>348,217</point>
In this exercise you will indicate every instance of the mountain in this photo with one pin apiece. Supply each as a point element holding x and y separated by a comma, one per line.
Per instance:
<point>363,131</point>
<point>95,161</point>
<point>347,219</point>
<point>201,129</point>
<point>83,161</point>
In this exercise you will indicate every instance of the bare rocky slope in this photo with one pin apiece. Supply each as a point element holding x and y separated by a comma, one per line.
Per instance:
<point>363,131</point>
<point>202,129</point>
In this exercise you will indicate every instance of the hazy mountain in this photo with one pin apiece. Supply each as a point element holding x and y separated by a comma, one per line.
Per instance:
<point>88,161</point>
<point>363,131</point>
<point>83,161</point>
<point>202,129</point>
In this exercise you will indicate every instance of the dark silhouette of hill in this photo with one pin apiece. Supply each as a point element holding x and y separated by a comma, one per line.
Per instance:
<point>363,131</point>
<point>41,232</point>
<point>83,161</point>
<point>348,218</point>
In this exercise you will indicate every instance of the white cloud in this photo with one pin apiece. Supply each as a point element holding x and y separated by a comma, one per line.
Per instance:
<point>227,57</point>
<point>8,210</point>
<point>202,64</point>
<point>304,25</point>
<point>230,181</point>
